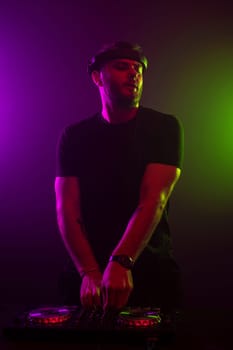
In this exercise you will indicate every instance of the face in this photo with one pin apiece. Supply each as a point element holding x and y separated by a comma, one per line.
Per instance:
<point>122,82</point>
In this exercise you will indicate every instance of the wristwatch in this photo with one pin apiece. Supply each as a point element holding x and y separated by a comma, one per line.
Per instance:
<point>124,260</point>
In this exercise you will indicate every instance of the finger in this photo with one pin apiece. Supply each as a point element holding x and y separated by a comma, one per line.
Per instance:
<point>82,298</point>
<point>111,299</point>
<point>96,297</point>
<point>103,295</point>
<point>122,299</point>
<point>88,300</point>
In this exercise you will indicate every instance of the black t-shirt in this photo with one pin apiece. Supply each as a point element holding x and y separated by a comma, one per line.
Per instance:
<point>109,161</point>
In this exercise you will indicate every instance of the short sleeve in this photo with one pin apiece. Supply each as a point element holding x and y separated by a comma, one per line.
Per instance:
<point>172,142</point>
<point>65,162</point>
<point>167,141</point>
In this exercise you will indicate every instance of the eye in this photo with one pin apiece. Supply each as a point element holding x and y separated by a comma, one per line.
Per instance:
<point>124,66</point>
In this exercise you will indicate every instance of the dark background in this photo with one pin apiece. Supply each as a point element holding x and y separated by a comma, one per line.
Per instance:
<point>44,48</point>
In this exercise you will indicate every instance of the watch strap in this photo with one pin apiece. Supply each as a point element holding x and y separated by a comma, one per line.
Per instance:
<point>124,260</point>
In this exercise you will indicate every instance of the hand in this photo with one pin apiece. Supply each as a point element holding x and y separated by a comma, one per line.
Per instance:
<point>117,284</point>
<point>90,290</point>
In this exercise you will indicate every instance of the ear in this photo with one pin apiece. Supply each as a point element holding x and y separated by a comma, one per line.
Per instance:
<point>96,77</point>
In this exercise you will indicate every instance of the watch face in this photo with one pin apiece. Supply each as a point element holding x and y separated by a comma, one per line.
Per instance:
<point>123,260</point>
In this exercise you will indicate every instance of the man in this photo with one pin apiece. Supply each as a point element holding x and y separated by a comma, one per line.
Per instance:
<point>115,174</point>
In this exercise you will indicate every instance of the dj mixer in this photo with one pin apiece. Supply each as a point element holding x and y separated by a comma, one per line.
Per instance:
<point>75,324</point>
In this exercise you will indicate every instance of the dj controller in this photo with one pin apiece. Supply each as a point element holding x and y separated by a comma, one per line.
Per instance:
<point>75,324</point>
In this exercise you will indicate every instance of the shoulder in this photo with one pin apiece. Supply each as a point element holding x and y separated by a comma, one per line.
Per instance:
<point>79,129</point>
<point>149,115</point>
<point>82,125</point>
<point>152,122</point>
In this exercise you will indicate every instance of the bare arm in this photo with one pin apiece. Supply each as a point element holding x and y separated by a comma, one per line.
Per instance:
<point>71,225</point>
<point>157,185</point>
<point>73,234</point>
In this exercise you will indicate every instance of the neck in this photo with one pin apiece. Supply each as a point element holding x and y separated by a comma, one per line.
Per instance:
<point>116,114</point>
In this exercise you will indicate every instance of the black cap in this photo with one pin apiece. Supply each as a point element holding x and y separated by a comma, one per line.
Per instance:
<point>119,49</point>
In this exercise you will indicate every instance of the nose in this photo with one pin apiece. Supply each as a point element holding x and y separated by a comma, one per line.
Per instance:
<point>133,72</point>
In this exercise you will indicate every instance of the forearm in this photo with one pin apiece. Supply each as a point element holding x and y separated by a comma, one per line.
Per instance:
<point>157,185</point>
<point>139,229</point>
<point>75,240</point>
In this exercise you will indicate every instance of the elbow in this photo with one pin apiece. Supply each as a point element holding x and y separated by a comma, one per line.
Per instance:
<point>152,210</point>
<point>65,215</point>
<point>156,203</point>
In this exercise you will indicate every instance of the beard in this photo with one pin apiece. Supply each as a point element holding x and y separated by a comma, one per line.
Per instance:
<point>124,100</point>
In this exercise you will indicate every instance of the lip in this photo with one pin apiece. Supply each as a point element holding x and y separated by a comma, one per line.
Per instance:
<point>132,86</point>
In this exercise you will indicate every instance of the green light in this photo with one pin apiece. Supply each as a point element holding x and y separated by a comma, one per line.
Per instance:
<point>153,316</point>
<point>124,313</point>
<point>202,96</point>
